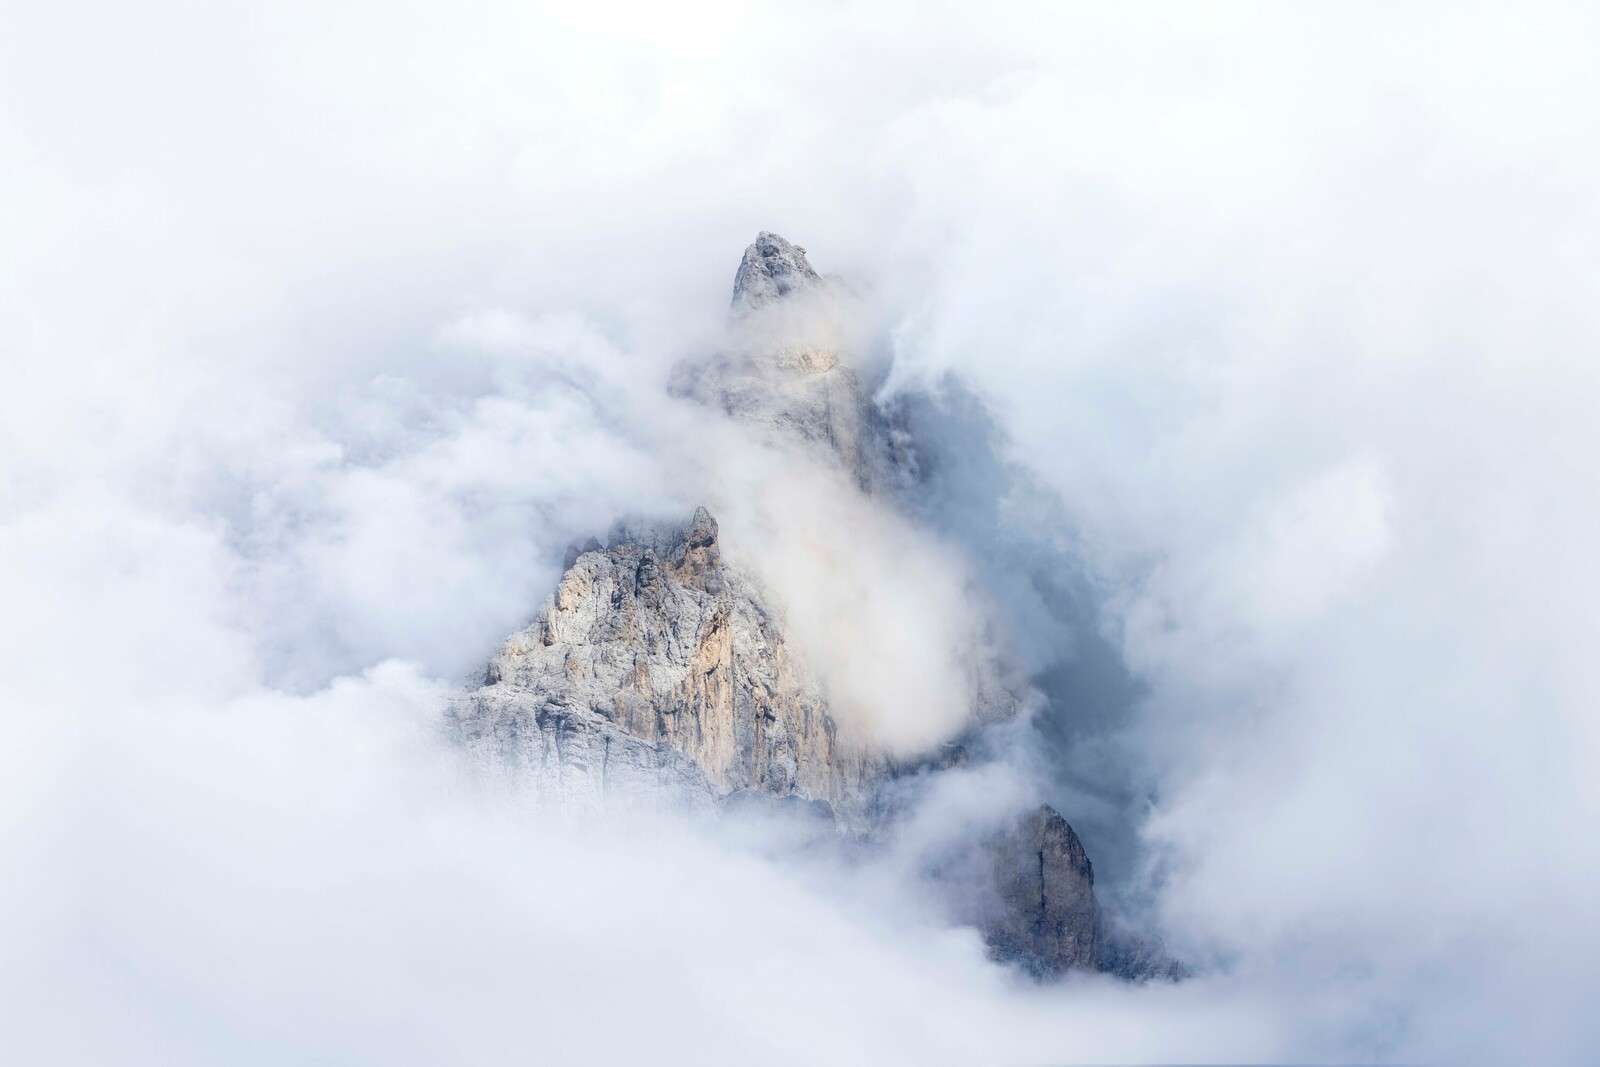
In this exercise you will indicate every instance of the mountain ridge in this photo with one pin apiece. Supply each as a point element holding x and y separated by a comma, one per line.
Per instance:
<point>660,673</point>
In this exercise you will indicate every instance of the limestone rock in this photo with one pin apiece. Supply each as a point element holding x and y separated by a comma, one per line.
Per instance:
<point>1043,913</point>
<point>784,370</point>
<point>1136,957</point>
<point>657,673</point>
<point>570,758</point>
<point>771,268</point>
<point>656,651</point>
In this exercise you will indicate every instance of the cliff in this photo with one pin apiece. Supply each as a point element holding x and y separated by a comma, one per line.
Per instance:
<point>658,672</point>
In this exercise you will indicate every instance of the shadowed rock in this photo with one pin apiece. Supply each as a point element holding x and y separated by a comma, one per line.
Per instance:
<point>1045,916</point>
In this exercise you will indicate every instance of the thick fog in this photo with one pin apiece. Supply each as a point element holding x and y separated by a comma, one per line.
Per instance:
<point>1250,353</point>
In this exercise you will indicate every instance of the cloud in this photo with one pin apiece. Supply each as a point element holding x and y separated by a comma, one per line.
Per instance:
<point>282,877</point>
<point>888,617</point>
<point>327,331</point>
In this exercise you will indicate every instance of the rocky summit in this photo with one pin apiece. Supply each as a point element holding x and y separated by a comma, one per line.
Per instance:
<point>659,673</point>
<point>771,269</point>
<point>782,372</point>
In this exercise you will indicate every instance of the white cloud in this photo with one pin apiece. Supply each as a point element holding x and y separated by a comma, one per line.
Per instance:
<point>328,328</point>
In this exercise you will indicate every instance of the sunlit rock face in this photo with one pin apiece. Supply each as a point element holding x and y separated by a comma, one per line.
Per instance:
<point>656,649</point>
<point>659,673</point>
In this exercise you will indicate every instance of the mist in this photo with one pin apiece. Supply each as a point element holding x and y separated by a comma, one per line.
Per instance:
<point>1248,357</point>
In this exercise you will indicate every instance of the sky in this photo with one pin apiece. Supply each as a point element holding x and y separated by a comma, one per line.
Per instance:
<point>1257,343</point>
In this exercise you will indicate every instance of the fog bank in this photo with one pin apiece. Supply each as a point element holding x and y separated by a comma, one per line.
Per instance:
<point>1251,352</point>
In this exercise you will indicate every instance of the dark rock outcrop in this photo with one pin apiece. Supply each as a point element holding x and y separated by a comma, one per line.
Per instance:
<point>782,372</point>
<point>1043,914</point>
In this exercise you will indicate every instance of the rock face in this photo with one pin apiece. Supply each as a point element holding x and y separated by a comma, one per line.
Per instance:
<point>770,270</point>
<point>782,371</point>
<point>656,669</point>
<point>1043,913</point>
<point>656,673</point>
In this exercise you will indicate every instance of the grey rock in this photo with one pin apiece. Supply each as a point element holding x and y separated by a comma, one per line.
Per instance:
<point>803,396</point>
<point>570,758</point>
<point>1135,957</point>
<point>656,652</point>
<point>1043,913</point>
<point>1027,885</point>
<point>772,268</point>
<point>657,674</point>
<point>784,371</point>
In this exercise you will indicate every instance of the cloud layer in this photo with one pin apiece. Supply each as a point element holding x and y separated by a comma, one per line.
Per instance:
<point>327,330</point>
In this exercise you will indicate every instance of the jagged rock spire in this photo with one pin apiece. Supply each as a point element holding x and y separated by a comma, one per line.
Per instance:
<point>659,672</point>
<point>772,268</point>
<point>782,368</point>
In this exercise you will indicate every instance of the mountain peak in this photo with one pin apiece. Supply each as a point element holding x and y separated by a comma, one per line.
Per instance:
<point>771,269</point>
